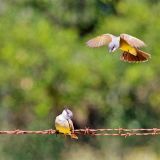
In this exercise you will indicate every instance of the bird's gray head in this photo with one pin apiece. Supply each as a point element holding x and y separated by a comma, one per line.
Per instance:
<point>67,114</point>
<point>113,46</point>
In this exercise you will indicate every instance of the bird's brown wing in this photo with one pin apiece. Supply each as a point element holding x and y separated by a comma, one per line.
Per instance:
<point>100,40</point>
<point>73,135</point>
<point>71,125</point>
<point>140,57</point>
<point>133,41</point>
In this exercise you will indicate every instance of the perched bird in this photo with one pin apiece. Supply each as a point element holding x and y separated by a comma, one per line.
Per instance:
<point>64,124</point>
<point>127,43</point>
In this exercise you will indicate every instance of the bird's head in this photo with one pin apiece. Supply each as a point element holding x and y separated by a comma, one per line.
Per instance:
<point>67,114</point>
<point>112,47</point>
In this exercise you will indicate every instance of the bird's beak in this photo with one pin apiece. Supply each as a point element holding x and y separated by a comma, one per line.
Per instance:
<point>114,49</point>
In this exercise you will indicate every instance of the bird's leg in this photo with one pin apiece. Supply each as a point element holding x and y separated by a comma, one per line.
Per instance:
<point>57,132</point>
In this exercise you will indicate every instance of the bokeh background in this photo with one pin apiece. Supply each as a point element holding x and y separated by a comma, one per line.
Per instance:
<point>45,66</point>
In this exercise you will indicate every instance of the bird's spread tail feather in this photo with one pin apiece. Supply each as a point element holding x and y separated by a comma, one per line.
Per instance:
<point>140,57</point>
<point>74,136</point>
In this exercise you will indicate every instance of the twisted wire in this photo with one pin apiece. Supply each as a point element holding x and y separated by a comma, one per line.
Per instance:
<point>92,132</point>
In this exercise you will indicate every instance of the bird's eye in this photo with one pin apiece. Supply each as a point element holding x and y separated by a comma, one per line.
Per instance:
<point>67,111</point>
<point>113,47</point>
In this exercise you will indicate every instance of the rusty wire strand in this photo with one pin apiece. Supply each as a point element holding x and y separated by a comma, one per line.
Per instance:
<point>93,132</point>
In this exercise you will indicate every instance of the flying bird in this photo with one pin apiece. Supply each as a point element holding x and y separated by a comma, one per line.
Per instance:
<point>64,124</point>
<point>128,44</point>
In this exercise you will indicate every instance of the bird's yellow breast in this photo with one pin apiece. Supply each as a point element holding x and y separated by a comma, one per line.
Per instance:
<point>62,129</point>
<point>124,46</point>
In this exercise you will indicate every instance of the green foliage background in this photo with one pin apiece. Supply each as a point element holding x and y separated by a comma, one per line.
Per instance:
<point>45,65</point>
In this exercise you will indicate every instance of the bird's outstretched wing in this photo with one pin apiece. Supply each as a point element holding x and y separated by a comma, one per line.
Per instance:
<point>133,41</point>
<point>100,40</point>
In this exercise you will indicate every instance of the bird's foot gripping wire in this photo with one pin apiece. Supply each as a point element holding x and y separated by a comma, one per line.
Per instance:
<point>56,132</point>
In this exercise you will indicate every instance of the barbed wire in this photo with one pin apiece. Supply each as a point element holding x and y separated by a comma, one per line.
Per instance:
<point>92,132</point>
